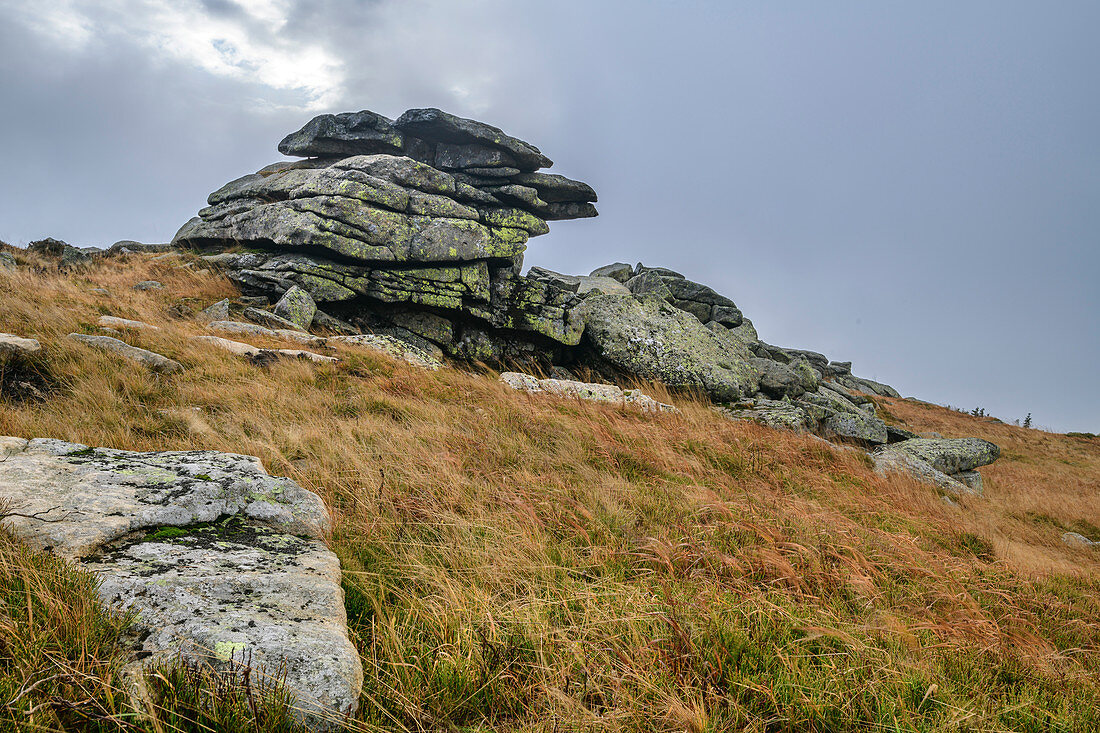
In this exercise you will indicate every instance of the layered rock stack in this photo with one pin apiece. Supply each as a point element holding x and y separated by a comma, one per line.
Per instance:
<point>418,224</point>
<point>416,229</point>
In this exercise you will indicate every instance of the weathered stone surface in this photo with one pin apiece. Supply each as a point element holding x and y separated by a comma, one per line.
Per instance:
<point>149,285</point>
<point>246,577</point>
<point>349,133</point>
<point>972,479</point>
<point>217,312</point>
<point>856,427</point>
<point>778,380</point>
<point>7,261</point>
<point>66,254</point>
<point>271,320</point>
<point>617,271</point>
<point>775,414</point>
<point>585,391</point>
<point>895,434</point>
<point>648,337</point>
<point>113,322</point>
<point>10,344</point>
<point>579,284</point>
<point>1073,539</point>
<point>393,347</point>
<point>553,188</point>
<point>251,329</point>
<point>950,455</point>
<point>296,306</point>
<point>149,359</point>
<point>889,460</point>
<point>436,125</point>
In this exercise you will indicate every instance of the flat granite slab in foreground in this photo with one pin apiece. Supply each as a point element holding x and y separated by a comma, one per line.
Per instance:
<point>217,560</point>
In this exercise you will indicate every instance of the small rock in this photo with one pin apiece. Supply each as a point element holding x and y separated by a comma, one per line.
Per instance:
<point>278,333</point>
<point>856,427</point>
<point>393,347</point>
<point>100,291</point>
<point>112,322</point>
<point>618,271</point>
<point>271,320</point>
<point>151,360</point>
<point>972,479</point>
<point>296,306</point>
<point>217,312</point>
<point>149,285</point>
<point>11,344</point>
<point>890,460</point>
<point>1078,540</point>
<point>585,391</point>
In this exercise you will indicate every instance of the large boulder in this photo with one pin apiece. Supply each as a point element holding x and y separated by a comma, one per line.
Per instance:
<point>950,455</point>
<point>217,561</point>
<point>649,338</point>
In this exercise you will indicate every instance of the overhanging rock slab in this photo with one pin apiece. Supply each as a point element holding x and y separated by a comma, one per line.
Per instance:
<point>217,560</point>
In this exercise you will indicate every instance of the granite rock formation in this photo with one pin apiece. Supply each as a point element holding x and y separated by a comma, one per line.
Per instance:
<point>416,229</point>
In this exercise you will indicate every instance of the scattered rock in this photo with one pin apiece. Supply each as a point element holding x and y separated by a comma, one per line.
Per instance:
<point>393,347</point>
<point>617,271</point>
<point>280,333</point>
<point>10,344</point>
<point>151,360</point>
<point>112,322</point>
<point>149,285</point>
<point>296,306</point>
<point>217,312</point>
<point>216,559</point>
<point>271,320</point>
<point>7,261</point>
<point>263,356</point>
<point>585,391</point>
<point>66,254</point>
<point>1078,540</point>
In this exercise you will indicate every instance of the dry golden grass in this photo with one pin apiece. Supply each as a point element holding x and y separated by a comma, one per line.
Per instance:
<point>516,562</point>
<point>1043,485</point>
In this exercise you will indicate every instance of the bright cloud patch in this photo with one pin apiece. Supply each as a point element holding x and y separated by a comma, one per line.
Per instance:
<point>242,41</point>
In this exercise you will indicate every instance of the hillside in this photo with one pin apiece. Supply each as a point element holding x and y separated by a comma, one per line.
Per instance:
<point>520,562</point>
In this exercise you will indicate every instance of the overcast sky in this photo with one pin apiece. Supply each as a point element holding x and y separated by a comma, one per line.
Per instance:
<point>913,187</point>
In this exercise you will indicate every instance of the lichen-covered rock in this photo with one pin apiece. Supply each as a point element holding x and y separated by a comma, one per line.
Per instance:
<point>217,560</point>
<point>217,312</point>
<point>650,338</point>
<point>776,414</point>
<point>296,306</point>
<point>950,455</point>
<point>585,391</point>
<point>855,426</point>
<point>393,347</point>
<point>617,271</point>
<point>889,460</point>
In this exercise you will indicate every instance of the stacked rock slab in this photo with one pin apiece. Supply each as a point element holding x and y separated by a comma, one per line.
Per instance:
<point>417,225</point>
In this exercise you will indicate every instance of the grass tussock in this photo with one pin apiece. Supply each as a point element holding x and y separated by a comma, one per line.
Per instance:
<point>516,562</point>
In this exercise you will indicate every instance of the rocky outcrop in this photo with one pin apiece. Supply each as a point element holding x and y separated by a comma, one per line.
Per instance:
<point>428,213</point>
<point>217,560</point>
<point>415,229</point>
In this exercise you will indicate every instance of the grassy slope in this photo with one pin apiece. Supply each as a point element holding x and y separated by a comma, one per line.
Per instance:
<point>524,563</point>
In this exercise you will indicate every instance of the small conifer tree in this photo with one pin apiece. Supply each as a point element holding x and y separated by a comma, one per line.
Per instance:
<point>1027,421</point>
